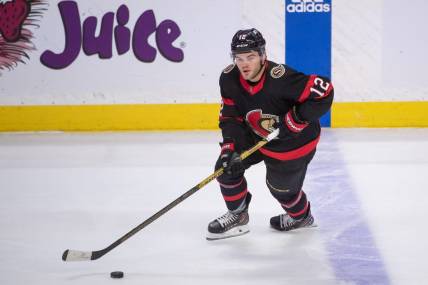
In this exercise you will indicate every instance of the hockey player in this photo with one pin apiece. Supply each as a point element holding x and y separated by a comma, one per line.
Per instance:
<point>259,96</point>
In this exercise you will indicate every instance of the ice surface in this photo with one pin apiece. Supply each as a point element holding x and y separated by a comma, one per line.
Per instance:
<point>368,189</point>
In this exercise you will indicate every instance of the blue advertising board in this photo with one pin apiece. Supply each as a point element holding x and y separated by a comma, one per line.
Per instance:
<point>308,39</point>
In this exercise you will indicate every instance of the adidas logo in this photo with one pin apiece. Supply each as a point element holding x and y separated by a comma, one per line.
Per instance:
<point>308,6</point>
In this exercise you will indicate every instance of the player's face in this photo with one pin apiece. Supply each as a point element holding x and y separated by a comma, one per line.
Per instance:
<point>249,65</point>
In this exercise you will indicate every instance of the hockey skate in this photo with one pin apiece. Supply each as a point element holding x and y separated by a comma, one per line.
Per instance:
<point>230,224</point>
<point>284,222</point>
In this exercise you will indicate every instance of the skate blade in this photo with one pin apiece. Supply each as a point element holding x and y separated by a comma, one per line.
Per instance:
<point>297,229</point>
<point>237,231</point>
<point>308,227</point>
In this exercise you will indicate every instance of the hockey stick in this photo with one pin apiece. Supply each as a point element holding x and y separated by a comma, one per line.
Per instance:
<point>78,255</point>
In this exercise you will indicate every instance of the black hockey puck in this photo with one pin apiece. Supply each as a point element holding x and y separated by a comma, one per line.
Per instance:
<point>116,274</point>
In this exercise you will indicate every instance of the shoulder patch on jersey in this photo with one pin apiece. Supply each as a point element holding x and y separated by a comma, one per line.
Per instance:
<point>229,68</point>
<point>278,71</point>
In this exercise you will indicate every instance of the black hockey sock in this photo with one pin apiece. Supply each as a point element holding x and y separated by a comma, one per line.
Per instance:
<point>297,207</point>
<point>234,193</point>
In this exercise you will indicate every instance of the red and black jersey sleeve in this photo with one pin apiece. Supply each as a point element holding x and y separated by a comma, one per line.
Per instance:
<point>231,121</point>
<point>313,95</point>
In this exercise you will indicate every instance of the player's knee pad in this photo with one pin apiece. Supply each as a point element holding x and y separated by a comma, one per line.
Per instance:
<point>228,179</point>
<point>283,193</point>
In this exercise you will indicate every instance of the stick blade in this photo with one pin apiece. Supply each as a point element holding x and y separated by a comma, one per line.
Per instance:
<point>76,255</point>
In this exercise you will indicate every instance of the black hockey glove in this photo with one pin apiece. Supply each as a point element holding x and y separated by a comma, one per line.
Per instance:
<point>230,160</point>
<point>289,125</point>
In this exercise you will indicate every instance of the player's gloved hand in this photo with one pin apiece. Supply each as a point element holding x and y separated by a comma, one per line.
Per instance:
<point>230,160</point>
<point>290,125</point>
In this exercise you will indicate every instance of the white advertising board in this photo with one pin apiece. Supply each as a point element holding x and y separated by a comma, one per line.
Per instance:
<point>132,52</point>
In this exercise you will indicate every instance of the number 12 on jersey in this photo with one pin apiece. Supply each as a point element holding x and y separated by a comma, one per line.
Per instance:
<point>320,87</point>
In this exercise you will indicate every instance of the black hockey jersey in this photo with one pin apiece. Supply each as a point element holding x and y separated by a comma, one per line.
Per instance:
<point>280,92</point>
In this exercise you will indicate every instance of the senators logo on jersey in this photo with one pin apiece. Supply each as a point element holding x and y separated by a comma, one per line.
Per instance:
<point>278,71</point>
<point>262,124</point>
<point>228,68</point>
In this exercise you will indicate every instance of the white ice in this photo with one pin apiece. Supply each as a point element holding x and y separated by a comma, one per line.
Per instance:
<point>83,191</point>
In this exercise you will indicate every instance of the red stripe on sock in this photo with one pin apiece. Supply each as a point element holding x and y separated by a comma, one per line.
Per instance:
<point>300,212</point>
<point>235,197</point>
